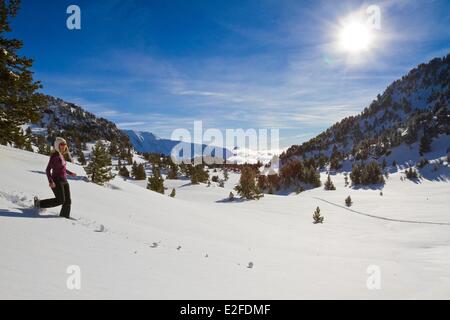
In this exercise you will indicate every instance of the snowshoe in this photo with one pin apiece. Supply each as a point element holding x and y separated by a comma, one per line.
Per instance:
<point>37,205</point>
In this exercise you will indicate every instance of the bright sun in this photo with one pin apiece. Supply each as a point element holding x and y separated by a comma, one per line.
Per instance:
<point>355,37</point>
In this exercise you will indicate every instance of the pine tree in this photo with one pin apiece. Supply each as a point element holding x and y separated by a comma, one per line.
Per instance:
<point>372,174</point>
<point>18,98</point>
<point>348,201</point>
<point>44,149</point>
<point>366,174</point>
<point>247,187</point>
<point>329,184</point>
<point>134,169</point>
<point>198,174</point>
<point>173,172</point>
<point>123,172</point>
<point>425,144</point>
<point>156,181</point>
<point>98,169</point>
<point>173,193</point>
<point>317,217</point>
<point>335,163</point>
<point>81,158</point>
<point>411,173</point>
<point>140,172</point>
<point>113,149</point>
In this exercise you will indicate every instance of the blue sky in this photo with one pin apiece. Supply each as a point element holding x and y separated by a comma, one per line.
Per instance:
<point>160,65</point>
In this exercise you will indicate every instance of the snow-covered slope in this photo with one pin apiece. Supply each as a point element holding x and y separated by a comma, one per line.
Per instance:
<point>197,246</point>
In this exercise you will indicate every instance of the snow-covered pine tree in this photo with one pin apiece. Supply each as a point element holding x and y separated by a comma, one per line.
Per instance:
<point>18,98</point>
<point>98,169</point>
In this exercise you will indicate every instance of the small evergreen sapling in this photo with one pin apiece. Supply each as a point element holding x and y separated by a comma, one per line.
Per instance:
<point>317,217</point>
<point>173,193</point>
<point>329,184</point>
<point>348,201</point>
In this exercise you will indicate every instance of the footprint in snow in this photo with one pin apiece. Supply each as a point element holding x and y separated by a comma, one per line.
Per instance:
<point>101,229</point>
<point>154,245</point>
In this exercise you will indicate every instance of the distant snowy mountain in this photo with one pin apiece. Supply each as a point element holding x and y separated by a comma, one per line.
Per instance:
<point>148,142</point>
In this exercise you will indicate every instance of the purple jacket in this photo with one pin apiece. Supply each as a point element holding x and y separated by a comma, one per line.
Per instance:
<point>56,168</point>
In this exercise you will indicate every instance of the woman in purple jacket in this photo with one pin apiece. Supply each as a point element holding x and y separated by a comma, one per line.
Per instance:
<point>57,179</point>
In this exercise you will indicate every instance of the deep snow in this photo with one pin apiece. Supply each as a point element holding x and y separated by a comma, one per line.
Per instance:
<point>196,246</point>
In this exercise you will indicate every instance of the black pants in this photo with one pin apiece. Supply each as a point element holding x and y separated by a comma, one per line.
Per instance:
<point>62,197</point>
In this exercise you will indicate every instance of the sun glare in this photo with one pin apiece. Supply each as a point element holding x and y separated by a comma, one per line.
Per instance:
<point>355,37</point>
